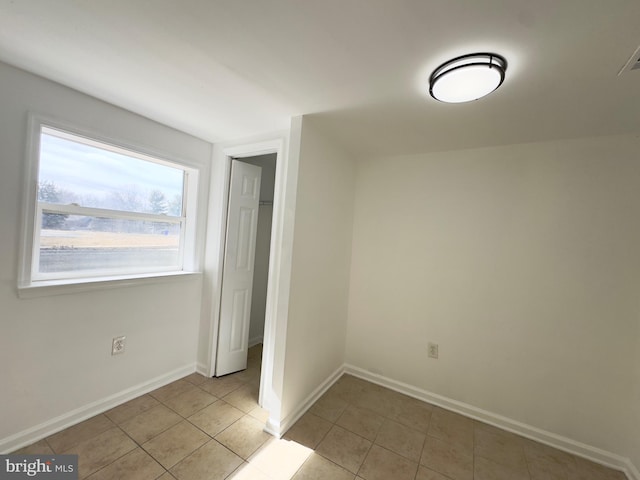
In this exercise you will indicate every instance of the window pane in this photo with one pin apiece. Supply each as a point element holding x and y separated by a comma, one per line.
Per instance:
<point>71,243</point>
<point>75,173</point>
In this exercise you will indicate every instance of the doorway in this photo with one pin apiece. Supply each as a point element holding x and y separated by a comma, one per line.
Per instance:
<point>263,246</point>
<point>280,263</point>
<point>246,261</point>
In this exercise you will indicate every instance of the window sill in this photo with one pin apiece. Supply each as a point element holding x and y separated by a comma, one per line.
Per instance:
<point>64,287</point>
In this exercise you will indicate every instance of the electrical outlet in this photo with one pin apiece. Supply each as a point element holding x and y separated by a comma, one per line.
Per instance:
<point>117,345</point>
<point>432,349</point>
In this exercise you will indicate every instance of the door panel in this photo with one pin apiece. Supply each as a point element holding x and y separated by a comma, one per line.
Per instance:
<point>237,276</point>
<point>238,315</point>
<point>245,236</point>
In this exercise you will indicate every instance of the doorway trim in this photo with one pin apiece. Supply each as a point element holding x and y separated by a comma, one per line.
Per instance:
<point>272,373</point>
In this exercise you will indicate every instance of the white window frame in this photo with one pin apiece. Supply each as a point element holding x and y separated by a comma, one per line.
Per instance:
<point>31,282</point>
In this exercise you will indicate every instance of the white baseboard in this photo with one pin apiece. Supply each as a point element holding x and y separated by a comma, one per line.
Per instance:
<point>255,341</point>
<point>632,472</point>
<point>279,428</point>
<point>557,441</point>
<point>202,369</point>
<point>45,429</point>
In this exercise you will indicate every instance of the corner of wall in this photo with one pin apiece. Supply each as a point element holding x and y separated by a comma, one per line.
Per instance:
<point>321,249</point>
<point>559,442</point>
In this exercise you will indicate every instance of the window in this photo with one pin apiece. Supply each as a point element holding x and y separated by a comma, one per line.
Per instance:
<point>101,210</point>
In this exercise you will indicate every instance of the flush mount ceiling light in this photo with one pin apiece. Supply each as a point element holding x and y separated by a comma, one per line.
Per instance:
<point>467,78</point>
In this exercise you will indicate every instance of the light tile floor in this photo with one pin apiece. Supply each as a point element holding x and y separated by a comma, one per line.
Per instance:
<point>200,428</point>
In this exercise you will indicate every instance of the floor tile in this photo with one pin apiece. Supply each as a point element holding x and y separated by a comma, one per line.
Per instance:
<point>255,351</point>
<point>190,401</point>
<point>249,374</point>
<point>195,378</point>
<point>540,471</point>
<point>401,440</point>
<point>131,408</point>
<point>216,417</point>
<point>244,437</point>
<point>348,388</point>
<point>210,462</point>
<point>280,459</point>
<point>361,421</point>
<point>309,430</point>
<point>145,426</point>
<point>244,398</point>
<point>452,428</point>
<point>428,474</point>
<point>176,443</point>
<point>222,386</point>
<point>487,470</point>
<point>254,362</point>
<point>329,407</point>
<point>38,448</point>
<point>64,440</point>
<point>101,450</point>
<point>547,463</point>
<point>500,447</point>
<point>616,475</point>
<point>587,470</point>
<point>536,452</point>
<point>171,390</point>
<point>246,471</point>
<point>382,464</point>
<point>344,448</point>
<point>255,382</point>
<point>136,464</point>
<point>382,401</point>
<point>260,414</point>
<point>319,468</point>
<point>451,459</point>
<point>415,415</point>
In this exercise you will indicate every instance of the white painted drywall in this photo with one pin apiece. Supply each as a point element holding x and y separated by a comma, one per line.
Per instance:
<point>55,351</point>
<point>260,275</point>
<point>523,263</point>
<point>263,243</point>
<point>316,328</point>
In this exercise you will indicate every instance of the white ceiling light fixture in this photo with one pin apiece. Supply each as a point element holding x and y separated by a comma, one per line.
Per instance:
<point>467,78</point>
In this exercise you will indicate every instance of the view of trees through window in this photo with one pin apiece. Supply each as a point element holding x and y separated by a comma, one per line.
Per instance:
<point>129,199</point>
<point>105,210</point>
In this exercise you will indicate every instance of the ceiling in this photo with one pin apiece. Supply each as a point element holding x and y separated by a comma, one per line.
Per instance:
<point>223,69</point>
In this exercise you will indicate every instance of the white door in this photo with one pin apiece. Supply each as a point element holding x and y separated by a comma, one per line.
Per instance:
<point>237,276</point>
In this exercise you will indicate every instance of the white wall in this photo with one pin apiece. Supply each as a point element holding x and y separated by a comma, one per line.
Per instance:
<point>316,328</point>
<point>55,351</point>
<point>523,264</point>
<point>260,275</point>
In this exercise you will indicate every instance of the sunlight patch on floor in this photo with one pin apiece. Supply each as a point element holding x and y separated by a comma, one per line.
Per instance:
<point>278,459</point>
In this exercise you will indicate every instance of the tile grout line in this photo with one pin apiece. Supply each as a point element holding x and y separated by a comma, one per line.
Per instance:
<point>424,442</point>
<point>325,436</point>
<point>115,460</point>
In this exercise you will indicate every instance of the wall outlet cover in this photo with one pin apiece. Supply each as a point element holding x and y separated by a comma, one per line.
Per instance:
<point>117,345</point>
<point>432,349</point>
